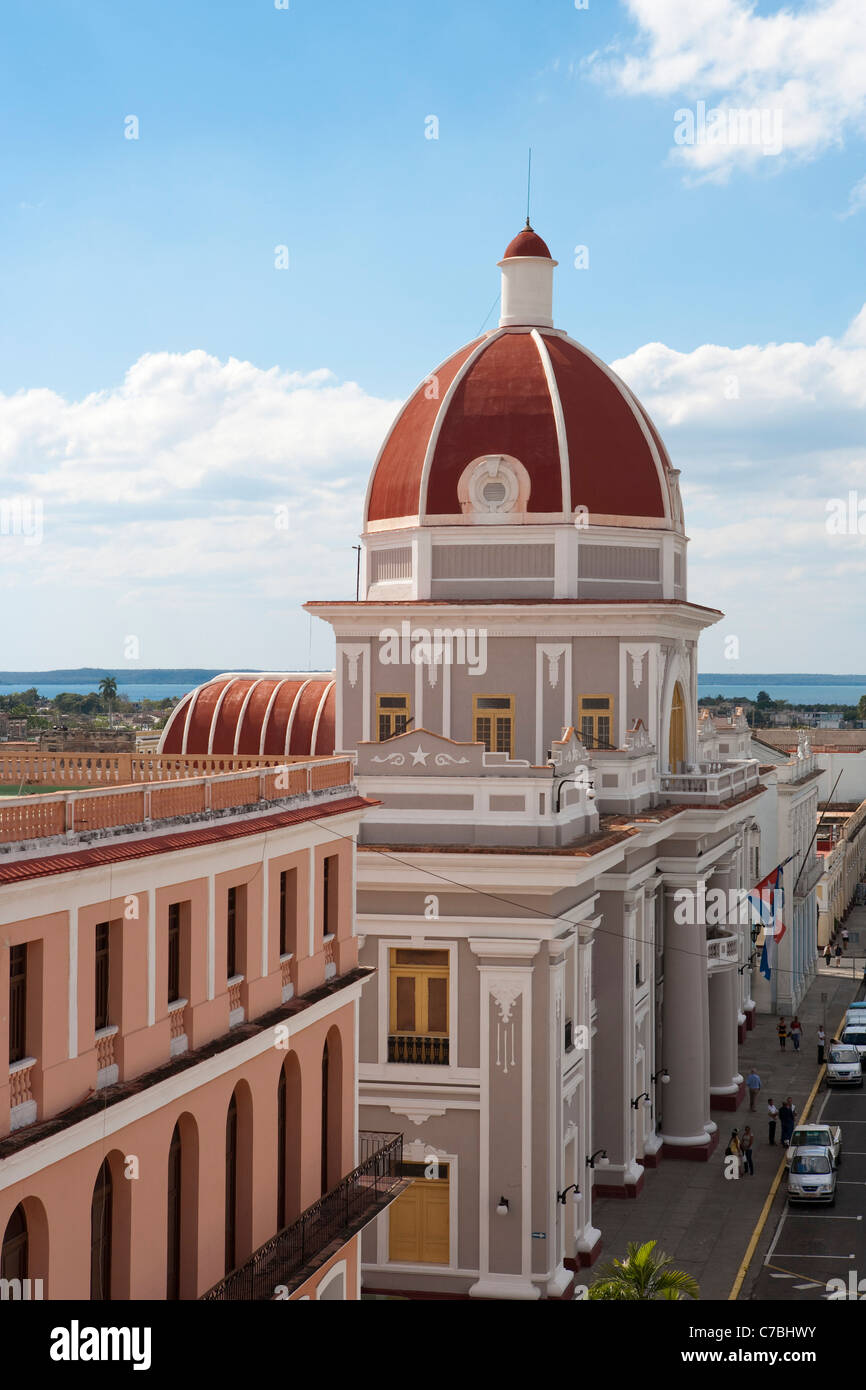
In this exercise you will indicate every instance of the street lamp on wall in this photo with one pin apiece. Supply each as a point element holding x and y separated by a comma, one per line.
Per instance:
<point>663,1076</point>
<point>561,1196</point>
<point>644,1095</point>
<point>599,1153</point>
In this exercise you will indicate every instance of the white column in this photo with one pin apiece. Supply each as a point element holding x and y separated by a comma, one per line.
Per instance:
<point>686,1101</point>
<point>588,1235</point>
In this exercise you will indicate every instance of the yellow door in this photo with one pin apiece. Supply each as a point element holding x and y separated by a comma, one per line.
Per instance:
<point>419,1224</point>
<point>677,741</point>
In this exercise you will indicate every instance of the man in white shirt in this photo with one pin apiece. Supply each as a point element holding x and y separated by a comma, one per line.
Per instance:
<point>772,1117</point>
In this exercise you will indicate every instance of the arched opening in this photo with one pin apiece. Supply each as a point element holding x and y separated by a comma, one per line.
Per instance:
<point>174,1206</point>
<point>238,1164</point>
<point>231,1185</point>
<point>101,1216</point>
<point>677,737</point>
<point>289,1142</point>
<point>333,1286</point>
<point>15,1254</point>
<point>332,1110</point>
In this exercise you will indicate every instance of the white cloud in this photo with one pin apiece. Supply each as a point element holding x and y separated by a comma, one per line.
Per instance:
<point>808,64</point>
<point>759,470</point>
<point>161,495</point>
<point>160,500</point>
<point>856,198</point>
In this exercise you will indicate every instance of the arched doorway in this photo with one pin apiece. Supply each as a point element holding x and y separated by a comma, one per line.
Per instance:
<point>289,1142</point>
<point>325,1110</point>
<point>332,1110</point>
<point>15,1254</point>
<point>239,1177</point>
<point>101,1212</point>
<point>174,1207</point>
<point>231,1185</point>
<point>677,738</point>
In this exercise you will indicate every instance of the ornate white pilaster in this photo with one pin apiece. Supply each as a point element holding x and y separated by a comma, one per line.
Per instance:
<point>505,1139</point>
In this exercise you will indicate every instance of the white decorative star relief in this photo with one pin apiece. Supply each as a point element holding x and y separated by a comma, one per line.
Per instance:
<point>419,756</point>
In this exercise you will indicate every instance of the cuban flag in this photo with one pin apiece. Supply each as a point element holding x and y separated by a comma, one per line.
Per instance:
<point>767,900</point>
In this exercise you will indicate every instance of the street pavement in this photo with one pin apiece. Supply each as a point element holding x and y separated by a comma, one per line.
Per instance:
<point>705,1221</point>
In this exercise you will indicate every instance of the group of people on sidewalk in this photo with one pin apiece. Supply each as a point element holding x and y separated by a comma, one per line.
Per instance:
<point>841,946</point>
<point>783,1115</point>
<point>792,1030</point>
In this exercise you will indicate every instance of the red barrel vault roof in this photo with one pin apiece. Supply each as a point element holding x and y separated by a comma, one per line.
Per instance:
<point>254,715</point>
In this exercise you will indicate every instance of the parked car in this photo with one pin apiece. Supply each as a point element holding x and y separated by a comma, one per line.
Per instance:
<point>855,1036</point>
<point>827,1137</point>
<point>856,1014</point>
<point>811,1176</point>
<point>844,1067</point>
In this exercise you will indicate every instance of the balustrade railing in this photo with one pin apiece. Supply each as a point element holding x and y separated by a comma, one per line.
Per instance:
<point>424,1050</point>
<point>362,1192</point>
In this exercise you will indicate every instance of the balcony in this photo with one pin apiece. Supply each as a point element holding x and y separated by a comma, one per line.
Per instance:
<point>722,950</point>
<point>711,785</point>
<point>418,1049</point>
<point>289,1258</point>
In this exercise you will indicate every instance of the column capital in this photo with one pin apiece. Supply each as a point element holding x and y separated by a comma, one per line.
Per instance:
<point>497,947</point>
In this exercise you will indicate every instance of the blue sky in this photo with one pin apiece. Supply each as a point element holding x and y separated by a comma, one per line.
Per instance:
<point>305,127</point>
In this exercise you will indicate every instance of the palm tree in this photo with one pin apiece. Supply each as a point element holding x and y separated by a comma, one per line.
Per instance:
<point>108,691</point>
<point>642,1276</point>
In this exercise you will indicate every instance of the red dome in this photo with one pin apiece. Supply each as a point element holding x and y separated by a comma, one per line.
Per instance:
<point>527,243</point>
<point>253,715</point>
<point>541,398</point>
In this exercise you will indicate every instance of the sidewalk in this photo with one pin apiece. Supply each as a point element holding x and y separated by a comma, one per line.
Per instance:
<point>697,1216</point>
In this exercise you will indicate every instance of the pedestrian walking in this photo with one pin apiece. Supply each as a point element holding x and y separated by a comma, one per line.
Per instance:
<point>787,1112</point>
<point>753,1083</point>
<point>821,1041</point>
<point>838,954</point>
<point>746,1143</point>
<point>734,1150</point>
<point>782,1031</point>
<point>828,954</point>
<point>796,1031</point>
<point>772,1117</point>
<point>845,938</point>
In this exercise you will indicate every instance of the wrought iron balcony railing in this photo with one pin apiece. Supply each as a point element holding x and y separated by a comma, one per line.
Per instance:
<point>423,1049</point>
<point>290,1256</point>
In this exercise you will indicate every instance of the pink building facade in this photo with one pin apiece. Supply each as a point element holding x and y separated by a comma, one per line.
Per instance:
<point>178,1047</point>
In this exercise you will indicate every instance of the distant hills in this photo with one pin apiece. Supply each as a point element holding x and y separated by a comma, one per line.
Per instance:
<point>139,675</point>
<point>196,675</point>
<point>795,678</point>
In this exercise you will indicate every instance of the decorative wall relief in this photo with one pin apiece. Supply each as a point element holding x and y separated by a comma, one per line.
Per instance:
<point>554,656</point>
<point>353,656</point>
<point>505,990</point>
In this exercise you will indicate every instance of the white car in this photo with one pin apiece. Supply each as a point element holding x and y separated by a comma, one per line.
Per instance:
<point>856,1014</point>
<point>811,1176</point>
<point>844,1067</point>
<point>855,1036</point>
<point>827,1137</point>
